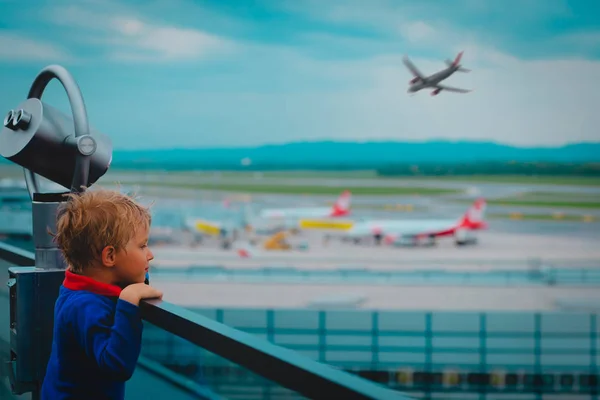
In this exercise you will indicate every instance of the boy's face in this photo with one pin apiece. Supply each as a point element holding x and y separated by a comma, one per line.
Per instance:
<point>132,262</point>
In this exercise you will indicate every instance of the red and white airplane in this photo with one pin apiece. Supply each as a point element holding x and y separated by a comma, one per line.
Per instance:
<point>418,231</point>
<point>341,208</point>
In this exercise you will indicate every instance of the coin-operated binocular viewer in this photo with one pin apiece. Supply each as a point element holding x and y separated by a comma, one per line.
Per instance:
<point>66,151</point>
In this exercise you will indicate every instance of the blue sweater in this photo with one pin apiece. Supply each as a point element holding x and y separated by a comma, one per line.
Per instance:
<point>96,342</point>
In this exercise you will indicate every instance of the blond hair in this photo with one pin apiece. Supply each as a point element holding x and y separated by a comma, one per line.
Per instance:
<point>89,221</point>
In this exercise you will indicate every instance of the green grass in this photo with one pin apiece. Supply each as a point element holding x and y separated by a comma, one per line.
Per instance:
<point>371,174</point>
<point>517,179</point>
<point>304,174</point>
<point>517,202</point>
<point>546,203</point>
<point>302,189</point>
<point>557,196</point>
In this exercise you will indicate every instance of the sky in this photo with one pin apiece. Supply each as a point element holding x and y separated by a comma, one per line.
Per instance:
<point>183,73</point>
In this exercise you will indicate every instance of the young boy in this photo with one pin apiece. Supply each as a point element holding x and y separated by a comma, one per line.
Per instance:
<point>103,236</point>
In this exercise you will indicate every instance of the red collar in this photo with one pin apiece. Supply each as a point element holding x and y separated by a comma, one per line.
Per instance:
<point>79,282</point>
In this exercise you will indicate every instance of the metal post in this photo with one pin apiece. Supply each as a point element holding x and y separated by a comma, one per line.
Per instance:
<point>44,208</point>
<point>47,257</point>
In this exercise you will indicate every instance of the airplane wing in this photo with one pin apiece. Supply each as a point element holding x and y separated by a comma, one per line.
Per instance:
<point>453,89</point>
<point>412,68</point>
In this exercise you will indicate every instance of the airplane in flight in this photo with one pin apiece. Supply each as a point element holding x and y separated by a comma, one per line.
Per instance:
<point>420,81</point>
<point>415,232</point>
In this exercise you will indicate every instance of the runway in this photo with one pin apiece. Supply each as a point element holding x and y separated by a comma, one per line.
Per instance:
<point>373,297</point>
<point>495,250</point>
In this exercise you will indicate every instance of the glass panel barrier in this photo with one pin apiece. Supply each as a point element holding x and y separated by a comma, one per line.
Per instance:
<point>216,375</point>
<point>288,368</point>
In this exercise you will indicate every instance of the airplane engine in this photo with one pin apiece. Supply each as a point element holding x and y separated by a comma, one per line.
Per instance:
<point>464,237</point>
<point>429,241</point>
<point>436,92</point>
<point>414,80</point>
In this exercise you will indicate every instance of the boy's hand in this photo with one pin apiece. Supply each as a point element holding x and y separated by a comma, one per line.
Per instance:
<point>138,291</point>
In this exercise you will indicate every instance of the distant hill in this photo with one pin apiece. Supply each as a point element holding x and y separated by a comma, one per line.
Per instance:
<point>355,154</point>
<point>368,154</point>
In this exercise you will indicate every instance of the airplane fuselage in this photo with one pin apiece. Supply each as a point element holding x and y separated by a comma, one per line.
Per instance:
<point>296,213</point>
<point>433,80</point>
<point>408,227</point>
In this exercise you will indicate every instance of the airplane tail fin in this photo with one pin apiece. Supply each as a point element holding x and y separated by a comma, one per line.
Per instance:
<point>246,250</point>
<point>342,206</point>
<point>456,63</point>
<point>474,218</point>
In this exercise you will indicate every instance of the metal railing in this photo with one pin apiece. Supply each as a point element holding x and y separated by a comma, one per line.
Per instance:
<point>285,367</point>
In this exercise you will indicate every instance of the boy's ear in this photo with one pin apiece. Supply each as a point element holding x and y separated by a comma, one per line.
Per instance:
<point>109,256</point>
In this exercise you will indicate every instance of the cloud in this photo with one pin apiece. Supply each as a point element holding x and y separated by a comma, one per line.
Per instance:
<point>417,31</point>
<point>127,36</point>
<point>167,42</point>
<point>529,28</point>
<point>17,47</point>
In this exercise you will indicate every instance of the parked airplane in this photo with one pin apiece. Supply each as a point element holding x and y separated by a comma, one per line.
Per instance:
<point>414,232</point>
<point>340,208</point>
<point>267,221</point>
<point>421,81</point>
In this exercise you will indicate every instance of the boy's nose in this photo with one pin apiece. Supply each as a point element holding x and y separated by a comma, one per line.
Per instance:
<point>150,255</point>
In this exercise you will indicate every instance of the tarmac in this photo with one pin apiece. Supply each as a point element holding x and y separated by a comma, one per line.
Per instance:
<point>494,250</point>
<point>373,297</point>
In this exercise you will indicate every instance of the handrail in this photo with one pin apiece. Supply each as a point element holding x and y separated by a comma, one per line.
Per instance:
<point>16,255</point>
<point>286,367</point>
